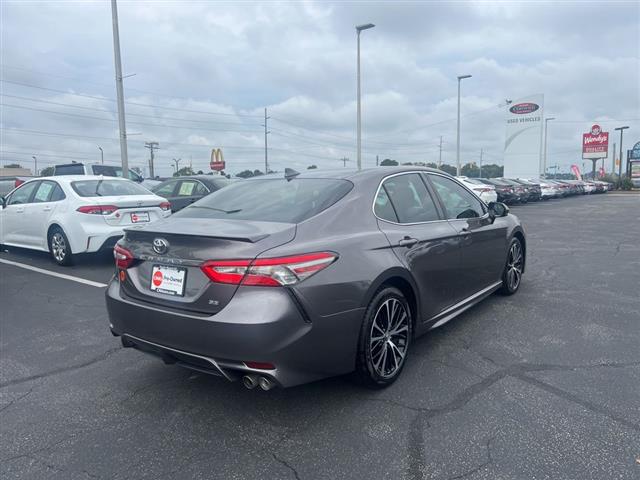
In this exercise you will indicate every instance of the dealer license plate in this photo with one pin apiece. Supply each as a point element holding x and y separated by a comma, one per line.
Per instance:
<point>139,217</point>
<point>168,280</point>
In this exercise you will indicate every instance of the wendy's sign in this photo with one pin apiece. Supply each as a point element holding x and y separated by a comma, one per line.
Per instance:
<point>595,144</point>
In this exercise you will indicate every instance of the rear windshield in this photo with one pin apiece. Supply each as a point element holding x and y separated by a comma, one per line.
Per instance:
<point>111,171</point>
<point>69,170</point>
<point>270,200</point>
<point>104,188</point>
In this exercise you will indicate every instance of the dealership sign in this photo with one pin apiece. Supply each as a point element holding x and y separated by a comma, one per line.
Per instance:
<point>595,144</point>
<point>523,137</point>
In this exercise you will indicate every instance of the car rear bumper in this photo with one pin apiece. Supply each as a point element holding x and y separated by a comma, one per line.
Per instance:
<point>260,324</point>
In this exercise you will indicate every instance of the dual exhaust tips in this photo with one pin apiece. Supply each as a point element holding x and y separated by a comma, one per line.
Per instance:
<point>252,381</point>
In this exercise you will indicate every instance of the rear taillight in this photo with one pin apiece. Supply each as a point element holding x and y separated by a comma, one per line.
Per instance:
<point>165,206</point>
<point>271,272</point>
<point>124,258</point>
<point>97,209</point>
<point>481,190</point>
<point>18,182</point>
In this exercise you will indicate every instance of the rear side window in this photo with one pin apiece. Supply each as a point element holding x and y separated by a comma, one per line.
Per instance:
<point>69,170</point>
<point>105,188</point>
<point>410,199</point>
<point>270,200</point>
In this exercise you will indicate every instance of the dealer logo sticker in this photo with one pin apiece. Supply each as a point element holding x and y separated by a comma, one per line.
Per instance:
<point>160,246</point>
<point>157,278</point>
<point>524,108</point>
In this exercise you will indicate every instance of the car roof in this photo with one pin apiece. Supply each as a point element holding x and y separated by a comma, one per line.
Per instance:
<point>74,178</point>
<point>353,174</point>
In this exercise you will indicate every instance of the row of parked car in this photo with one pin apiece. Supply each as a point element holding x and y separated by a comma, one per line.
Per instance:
<point>518,190</point>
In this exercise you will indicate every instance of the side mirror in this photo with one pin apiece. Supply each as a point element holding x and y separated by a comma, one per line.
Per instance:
<point>498,209</point>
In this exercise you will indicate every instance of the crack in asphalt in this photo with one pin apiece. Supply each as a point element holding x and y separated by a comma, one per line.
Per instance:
<point>484,464</point>
<point>21,397</point>
<point>286,464</point>
<point>57,371</point>
<point>415,448</point>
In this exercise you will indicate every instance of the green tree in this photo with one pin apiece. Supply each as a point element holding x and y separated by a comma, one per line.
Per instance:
<point>13,165</point>
<point>257,173</point>
<point>245,174</point>
<point>183,171</point>
<point>448,169</point>
<point>387,162</point>
<point>492,171</point>
<point>311,167</point>
<point>46,172</point>
<point>470,170</point>
<point>200,172</point>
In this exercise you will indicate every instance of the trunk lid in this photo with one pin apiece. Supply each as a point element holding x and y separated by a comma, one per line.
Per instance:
<point>189,243</point>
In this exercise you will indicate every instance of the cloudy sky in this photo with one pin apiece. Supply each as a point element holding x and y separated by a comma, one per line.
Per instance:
<point>205,71</point>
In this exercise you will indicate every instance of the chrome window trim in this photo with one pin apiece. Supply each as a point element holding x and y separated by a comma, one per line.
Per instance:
<point>373,205</point>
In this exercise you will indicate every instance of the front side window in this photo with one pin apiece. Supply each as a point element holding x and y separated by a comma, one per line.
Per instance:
<point>409,199</point>
<point>165,190</point>
<point>105,188</point>
<point>23,193</point>
<point>191,188</point>
<point>458,201</point>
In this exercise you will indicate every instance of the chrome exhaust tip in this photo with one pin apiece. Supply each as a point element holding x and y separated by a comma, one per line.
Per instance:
<point>266,384</point>
<point>250,381</point>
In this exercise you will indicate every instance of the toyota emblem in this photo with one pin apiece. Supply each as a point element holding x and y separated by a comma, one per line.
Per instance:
<point>160,246</point>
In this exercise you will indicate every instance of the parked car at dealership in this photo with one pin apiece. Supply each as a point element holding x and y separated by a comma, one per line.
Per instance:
<point>505,192</point>
<point>9,183</point>
<point>521,191</point>
<point>94,169</point>
<point>183,191</point>
<point>285,280</point>
<point>69,215</point>
<point>548,190</point>
<point>533,189</point>
<point>487,193</point>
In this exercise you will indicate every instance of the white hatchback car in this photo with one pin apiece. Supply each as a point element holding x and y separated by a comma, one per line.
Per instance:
<point>73,214</point>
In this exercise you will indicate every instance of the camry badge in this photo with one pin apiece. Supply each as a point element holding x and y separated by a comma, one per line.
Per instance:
<point>160,246</point>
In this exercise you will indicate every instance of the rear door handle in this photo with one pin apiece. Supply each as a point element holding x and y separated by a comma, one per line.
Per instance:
<point>408,242</point>
<point>46,209</point>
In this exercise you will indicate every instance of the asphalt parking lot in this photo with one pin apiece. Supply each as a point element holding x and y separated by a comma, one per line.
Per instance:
<point>544,384</point>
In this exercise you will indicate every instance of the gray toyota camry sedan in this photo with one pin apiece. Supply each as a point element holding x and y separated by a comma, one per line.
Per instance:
<point>294,277</point>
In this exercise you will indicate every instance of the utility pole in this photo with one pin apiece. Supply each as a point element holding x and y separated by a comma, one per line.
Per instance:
<point>544,161</point>
<point>377,160</point>
<point>177,161</point>
<point>440,154</point>
<point>344,161</point>
<point>151,146</point>
<point>266,132</point>
<point>35,159</point>
<point>119,90</point>
<point>481,153</point>
<point>460,78</point>
<point>101,155</point>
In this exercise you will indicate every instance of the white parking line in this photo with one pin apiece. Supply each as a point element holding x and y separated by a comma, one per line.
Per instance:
<point>54,274</point>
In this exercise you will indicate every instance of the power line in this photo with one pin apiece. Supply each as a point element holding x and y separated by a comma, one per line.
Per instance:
<point>127,103</point>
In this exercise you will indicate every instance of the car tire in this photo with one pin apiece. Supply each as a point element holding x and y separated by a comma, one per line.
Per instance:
<point>383,345</point>
<point>513,268</point>
<point>59,247</point>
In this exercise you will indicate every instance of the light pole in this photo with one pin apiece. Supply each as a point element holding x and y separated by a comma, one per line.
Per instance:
<point>544,161</point>
<point>360,28</point>
<point>620,166</point>
<point>35,159</point>
<point>119,91</point>
<point>101,155</point>
<point>460,78</point>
